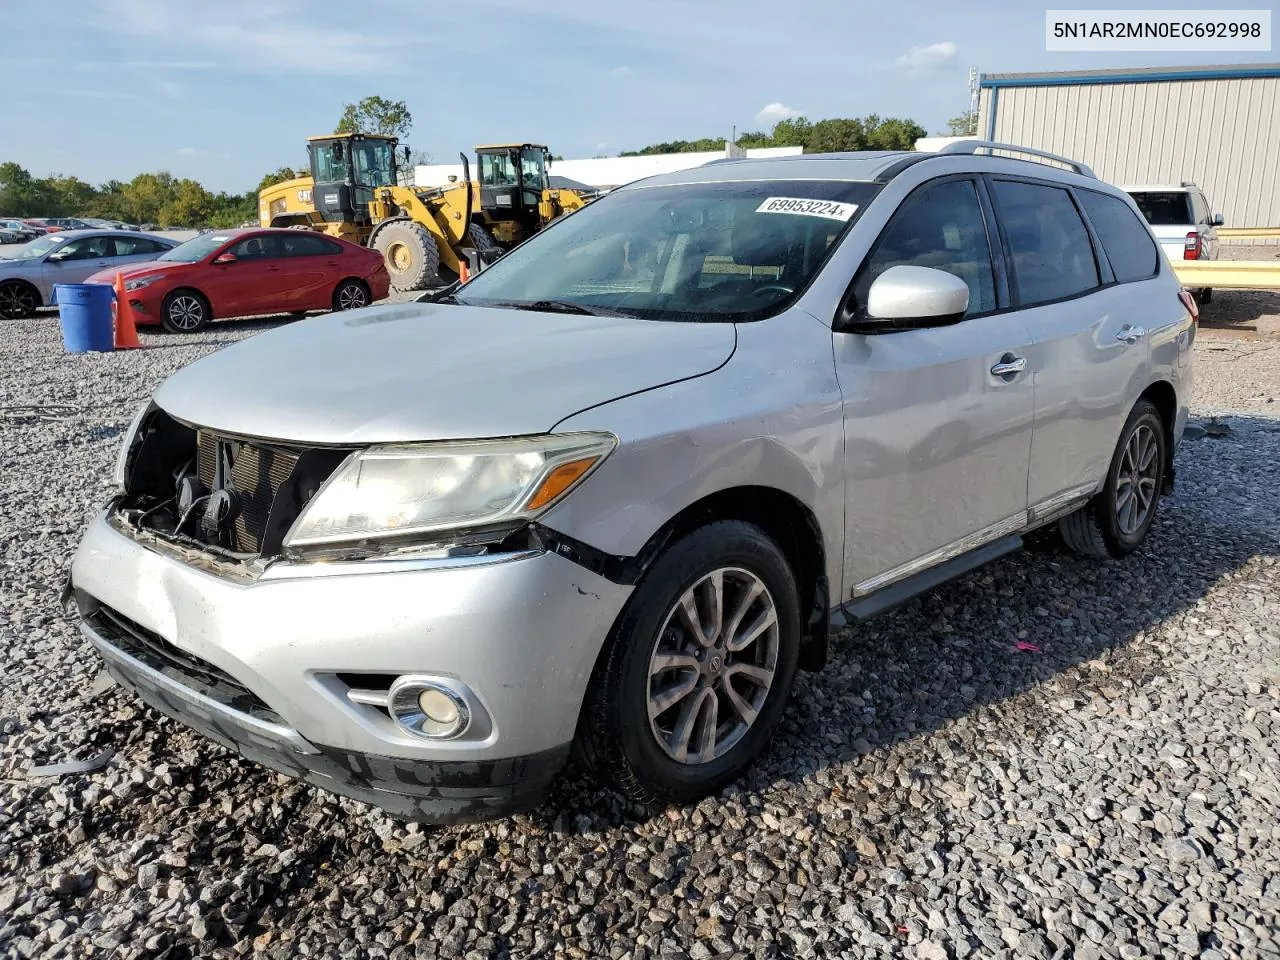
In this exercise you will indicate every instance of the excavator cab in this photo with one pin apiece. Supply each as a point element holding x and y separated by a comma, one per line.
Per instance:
<point>513,178</point>
<point>347,170</point>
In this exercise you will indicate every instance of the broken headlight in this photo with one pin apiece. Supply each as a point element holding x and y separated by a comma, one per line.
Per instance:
<point>420,490</point>
<point>130,436</point>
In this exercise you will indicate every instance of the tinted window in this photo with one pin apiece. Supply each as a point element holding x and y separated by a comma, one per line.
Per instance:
<point>89,248</point>
<point>1200,207</point>
<point>942,227</point>
<point>257,247</point>
<point>1048,243</point>
<point>1126,240</point>
<point>1164,209</point>
<point>300,244</point>
<point>135,246</point>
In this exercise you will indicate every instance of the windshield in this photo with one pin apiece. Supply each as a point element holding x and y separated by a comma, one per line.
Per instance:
<point>1168,209</point>
<point>373,163</point>
<point>498,170</point>
<point>533,160</point>
<point>35,248</point>
<point>195,249</point>
<point>702,252</point>
<point>325,165</point>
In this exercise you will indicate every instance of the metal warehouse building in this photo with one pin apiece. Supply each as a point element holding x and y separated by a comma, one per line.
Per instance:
<point>1218,127</point>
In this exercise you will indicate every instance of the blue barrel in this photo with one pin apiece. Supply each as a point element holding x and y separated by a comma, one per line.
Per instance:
<point>85,313</point>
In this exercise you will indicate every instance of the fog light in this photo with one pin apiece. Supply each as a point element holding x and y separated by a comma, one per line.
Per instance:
<point>430,707</point>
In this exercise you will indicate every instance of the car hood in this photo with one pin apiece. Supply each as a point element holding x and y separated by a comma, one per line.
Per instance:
<point>131,269</point>
<point>425,371</point>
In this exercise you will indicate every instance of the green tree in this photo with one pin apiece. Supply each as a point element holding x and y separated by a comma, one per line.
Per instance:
<point>22,195</point>
<point>965,125</point>
<point>794,132</point>
<point>189,204</point>
<point>893,133</point>
<point>280,176</point>
<point>836,136</point>
<point>391,118</point>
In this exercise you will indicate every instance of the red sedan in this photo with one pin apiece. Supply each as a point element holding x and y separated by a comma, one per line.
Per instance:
<point>240,273</point>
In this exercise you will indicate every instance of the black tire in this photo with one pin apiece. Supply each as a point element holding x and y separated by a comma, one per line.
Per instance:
<point>18,300</point>
<point>1095,530</point>
<point>351,294</point>
<point>1206,295</point>
<point>484,243</point>
<point>185,311</point>
<point>615,740</point>
<point>410,254</point>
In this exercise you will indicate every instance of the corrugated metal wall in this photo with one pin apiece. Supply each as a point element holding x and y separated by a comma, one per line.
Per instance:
<point>1222,134</point>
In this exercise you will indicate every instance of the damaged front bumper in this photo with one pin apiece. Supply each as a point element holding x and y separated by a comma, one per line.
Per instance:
<point>268,667</point>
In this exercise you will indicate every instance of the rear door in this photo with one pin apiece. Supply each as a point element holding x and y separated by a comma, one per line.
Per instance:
<point>314,267</point>
<point>1089,354</point>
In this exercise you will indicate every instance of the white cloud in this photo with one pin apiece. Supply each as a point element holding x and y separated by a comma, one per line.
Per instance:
<point>773,112</point>
<point>927,58</point>
<point>188,151</point>
<point>621,72</point>
<point>259,38</point>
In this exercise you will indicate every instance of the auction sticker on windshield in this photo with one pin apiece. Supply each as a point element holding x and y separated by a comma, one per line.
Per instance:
<point>831,209</point>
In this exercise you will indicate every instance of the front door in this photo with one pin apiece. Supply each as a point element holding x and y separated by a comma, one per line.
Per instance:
<point>937,444</point>
<point>256,282</point>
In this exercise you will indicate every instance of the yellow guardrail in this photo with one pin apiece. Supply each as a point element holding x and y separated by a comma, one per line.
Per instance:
<point>1249,233</point>
<point>1228,274</point>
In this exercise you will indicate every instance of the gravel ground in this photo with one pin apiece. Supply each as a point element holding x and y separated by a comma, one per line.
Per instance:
<point>1110,790</point>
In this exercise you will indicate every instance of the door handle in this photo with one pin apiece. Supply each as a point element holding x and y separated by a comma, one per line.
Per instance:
<point>1130,334</point>
<point>1009,365</point>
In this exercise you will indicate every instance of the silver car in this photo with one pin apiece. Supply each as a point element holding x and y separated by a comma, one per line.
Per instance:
<point>610,494</point>
<point>28,273</point>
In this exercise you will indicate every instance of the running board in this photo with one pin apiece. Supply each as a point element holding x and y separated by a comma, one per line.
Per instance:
<point>899,593</point>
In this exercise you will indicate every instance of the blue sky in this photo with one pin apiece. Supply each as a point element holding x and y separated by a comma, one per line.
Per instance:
<point>226,90</point>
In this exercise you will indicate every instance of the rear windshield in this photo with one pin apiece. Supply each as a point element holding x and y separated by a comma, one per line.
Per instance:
<point>699,252</point>
<point>1165,209</point>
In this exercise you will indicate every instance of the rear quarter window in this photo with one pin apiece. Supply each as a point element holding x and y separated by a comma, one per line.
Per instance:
<point>1125,238</point>
<point>1049,246</point>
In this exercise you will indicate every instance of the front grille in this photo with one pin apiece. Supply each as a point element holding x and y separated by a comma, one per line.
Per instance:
<point>189,670</point>
<point>257,474</point>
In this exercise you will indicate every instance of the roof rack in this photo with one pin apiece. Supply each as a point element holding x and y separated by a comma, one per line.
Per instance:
<point>973,146</point>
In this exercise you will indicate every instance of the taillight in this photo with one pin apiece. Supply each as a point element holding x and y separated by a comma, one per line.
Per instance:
<point>1189,302</point>
<point>1191,249</point>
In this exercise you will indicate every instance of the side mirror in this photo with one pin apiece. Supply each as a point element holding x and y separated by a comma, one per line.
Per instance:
<point>225,258</point>
<point>407,154</point>
<point>907,298</point>
<point>1217,220</point>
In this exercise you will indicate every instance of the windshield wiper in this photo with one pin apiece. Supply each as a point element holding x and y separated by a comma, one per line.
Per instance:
<point>562,306</point>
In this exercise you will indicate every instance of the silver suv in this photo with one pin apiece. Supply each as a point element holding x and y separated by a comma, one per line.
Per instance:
<point>611,493</point>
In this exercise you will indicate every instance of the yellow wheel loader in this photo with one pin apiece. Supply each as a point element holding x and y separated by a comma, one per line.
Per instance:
<point>423,233</point>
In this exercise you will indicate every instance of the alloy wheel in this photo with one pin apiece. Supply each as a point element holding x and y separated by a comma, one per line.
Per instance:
<point>1136,480</point>
<point>16,301</point>
<point>352,297</point>
<point>712,666</point>
<point>186,313</point>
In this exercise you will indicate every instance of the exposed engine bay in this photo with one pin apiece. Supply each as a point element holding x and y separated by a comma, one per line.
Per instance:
<point>232,497</point>
<point>227,503</point>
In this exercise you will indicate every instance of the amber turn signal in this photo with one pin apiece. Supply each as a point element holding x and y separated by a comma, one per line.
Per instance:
<point>559,480</point>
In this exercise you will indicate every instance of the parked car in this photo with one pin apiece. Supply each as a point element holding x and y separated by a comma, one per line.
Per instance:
<point>43,224</point>
<point>1182,221</point>
<point>28,273</point>
<point>70,223</point>
<point>610,493</point>
<point>238,273</point>
<point>10,236</point>
<point>23,231</point>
